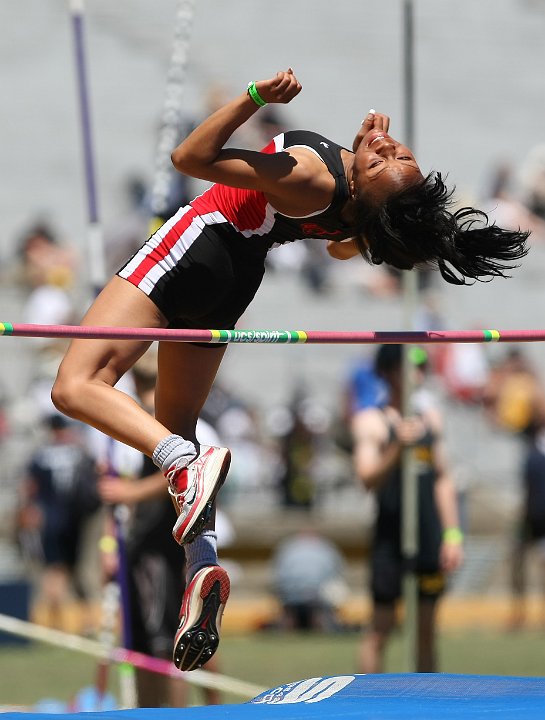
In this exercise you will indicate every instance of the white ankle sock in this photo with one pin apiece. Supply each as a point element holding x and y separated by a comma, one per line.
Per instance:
<point>202,552</point>
<point>171,449</point>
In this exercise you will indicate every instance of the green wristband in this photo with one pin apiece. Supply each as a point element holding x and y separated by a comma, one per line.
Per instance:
<point>453,535</point>
<point>254,94</point>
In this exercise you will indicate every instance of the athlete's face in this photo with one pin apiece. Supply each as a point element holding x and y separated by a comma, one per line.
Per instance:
<point>381,167</point>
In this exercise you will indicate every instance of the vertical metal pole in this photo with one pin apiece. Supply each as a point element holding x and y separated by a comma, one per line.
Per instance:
<point>169,133</point>
<point>95,240</point>
<point>409,522</point>
<point>408,71</point>
<point>96,279</point>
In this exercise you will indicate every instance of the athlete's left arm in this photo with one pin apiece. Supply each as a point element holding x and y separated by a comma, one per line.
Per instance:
<point>343,250</point>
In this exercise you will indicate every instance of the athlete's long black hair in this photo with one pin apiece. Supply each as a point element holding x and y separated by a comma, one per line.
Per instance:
<point>417,227</point>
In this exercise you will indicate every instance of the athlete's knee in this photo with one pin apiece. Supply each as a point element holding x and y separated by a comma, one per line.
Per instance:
<point>66,394</point>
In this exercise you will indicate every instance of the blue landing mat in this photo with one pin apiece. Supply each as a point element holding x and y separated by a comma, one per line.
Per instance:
<point>368,697</point>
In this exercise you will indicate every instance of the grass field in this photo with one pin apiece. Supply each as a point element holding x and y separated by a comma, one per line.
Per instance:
<point>32,672</point>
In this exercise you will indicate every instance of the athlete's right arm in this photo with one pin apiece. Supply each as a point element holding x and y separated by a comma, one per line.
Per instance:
<point>203,155</point>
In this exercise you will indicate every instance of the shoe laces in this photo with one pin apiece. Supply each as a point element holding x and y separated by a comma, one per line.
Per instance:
<point>181,495</point>
<point>173,473</point>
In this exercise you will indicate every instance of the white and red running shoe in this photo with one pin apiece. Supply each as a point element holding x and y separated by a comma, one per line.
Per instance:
<point>194,489</point>
<point>197,637</point>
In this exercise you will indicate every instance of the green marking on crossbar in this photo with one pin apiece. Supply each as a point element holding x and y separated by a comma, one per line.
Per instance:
<point>491,335</point>
<point>259,336</point>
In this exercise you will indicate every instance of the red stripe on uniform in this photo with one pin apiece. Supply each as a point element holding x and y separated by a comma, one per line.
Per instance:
<point>270,148</point>
<point>162,250</point>
<point>244,209</point>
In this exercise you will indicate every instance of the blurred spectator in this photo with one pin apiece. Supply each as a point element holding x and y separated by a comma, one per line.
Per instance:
<point>514,400</point>
<point>384,284</point>
<point>44,260</point>
<point>308,579</point>
<point>381,437</point>
<point>59,496</point>
<point>125,235</point>
<point>364,388</point>
<point>506,209</point>
<point>236,422</point>
<point>156,564</point>
<point>48,270</point>
<point>298,430</point>
<point>429,313</point>
<point>511,393</point>
<point>530,529</point>
<point>461,367</point>
<point>532,179</point>
<point>464,371</point>
<point>315,266</point>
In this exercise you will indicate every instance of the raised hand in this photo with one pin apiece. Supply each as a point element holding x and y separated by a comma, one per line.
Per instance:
<point>282,88</point>
<point>372,121</point>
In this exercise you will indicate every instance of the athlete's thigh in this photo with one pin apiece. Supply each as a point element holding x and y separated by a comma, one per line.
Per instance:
<point>186,373</point>
<point>120,304</point>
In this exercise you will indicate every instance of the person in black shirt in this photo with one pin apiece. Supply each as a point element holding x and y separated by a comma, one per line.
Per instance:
<point>59,497</point>
<point>381,435</point>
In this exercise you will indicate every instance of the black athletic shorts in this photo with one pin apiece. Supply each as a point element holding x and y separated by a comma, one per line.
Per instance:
<point>200,276</point>
<point>387,572</point>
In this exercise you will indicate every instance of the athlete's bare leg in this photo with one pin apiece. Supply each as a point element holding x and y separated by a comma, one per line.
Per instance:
<point>179,402</point>
<point>84,386</point>
<point>185,375</point>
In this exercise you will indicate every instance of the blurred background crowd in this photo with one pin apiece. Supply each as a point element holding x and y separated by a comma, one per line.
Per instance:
<point>297,518</point>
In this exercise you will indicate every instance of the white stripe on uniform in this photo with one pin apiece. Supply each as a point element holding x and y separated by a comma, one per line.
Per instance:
<point>178,250</point>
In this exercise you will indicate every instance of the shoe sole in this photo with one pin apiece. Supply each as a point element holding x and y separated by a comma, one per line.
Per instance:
<point>198,638</point>
<point>201,519</point>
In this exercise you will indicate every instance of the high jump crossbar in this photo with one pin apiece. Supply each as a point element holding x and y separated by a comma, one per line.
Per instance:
<point>425,337</point>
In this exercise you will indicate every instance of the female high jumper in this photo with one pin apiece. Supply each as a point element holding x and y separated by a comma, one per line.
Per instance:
<point>203,267</point>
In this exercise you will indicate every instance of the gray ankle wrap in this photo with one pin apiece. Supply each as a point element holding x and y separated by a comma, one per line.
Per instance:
<point>202,552</point>
<point>172,449</point>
